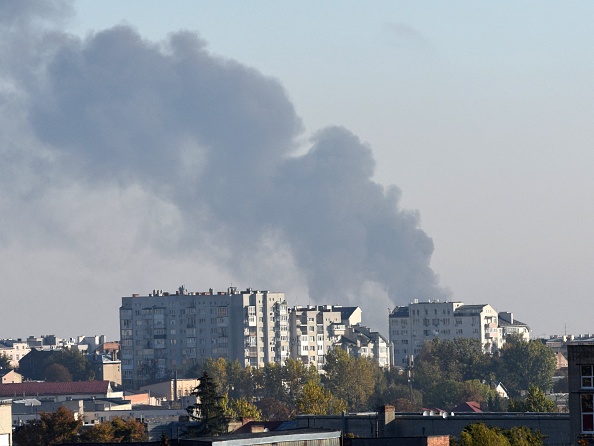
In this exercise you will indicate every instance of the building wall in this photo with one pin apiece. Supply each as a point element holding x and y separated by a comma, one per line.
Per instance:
<point>165,332</point>
<point>112,371</point>
<point>580,374</point>
<point>15,352</point>
<point>444,320</point>
<point>12,377</point>
<point>5,423</point>
<point>314,330</point>
<point>554,426</point>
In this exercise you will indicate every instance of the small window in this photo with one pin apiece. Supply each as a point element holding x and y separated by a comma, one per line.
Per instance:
<point>587,376</point>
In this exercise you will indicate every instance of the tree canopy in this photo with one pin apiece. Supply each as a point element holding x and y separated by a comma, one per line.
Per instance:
<point>51,428</point>
<point>209,409</point>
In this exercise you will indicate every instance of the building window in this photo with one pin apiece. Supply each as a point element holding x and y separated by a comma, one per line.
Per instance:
<point>587,413</point>
<point>587,376</point>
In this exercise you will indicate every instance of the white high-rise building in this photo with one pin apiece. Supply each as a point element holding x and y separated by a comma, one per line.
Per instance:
<point>162,332</point>
<point>410,326</point>
<point>316,329</point>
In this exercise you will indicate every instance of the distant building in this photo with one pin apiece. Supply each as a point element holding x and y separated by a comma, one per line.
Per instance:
<point>361,342</point>
<point>5,423</point>
<point>410,326</point>
<point>59,391</point>
<point>162,332</point>
<point>315,329</point>
<point>511,326</point>
<point>580,372</point>
<point>14,350</point>
<point>10,377</point>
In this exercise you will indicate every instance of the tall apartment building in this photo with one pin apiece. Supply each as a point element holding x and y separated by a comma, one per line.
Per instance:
<point>412,325</point>
<point>164,332</point>
<point>316,329</point>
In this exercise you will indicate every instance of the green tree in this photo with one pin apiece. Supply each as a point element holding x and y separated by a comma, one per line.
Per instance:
<point>459,359</point>
<point>77,364</point>
<point>240,379</point>
<point>165,440</point>
<point>117,430</point>
<point>524,436</point>
<point>5,362</point>
<point>268,382</point>
<point>315,400</point>
<point>535,401</point>
<point>349,379</point>
<point>478,434</point>
<point>242,408</point>
<point>210,408</point>
<point>527,363</point>
<point>57,373</point>
<point>51,428</point>
<point>274,410</point>
<point>295,376</point>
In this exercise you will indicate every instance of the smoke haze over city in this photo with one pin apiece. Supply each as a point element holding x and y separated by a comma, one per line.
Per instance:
<point>133,161</point>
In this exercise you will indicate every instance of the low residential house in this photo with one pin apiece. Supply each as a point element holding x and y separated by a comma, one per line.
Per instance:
<point>468,406</point>
<point>59,391</point>
<point>106,368</point>
<point>10,377</point>
<point>173,389</point>
<point>500,389</point>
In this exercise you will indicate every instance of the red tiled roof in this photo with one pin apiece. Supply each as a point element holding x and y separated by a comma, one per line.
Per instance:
<point>52,388</point>
<point>468,406</point>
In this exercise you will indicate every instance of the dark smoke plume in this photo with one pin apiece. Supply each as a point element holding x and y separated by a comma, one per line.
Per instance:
<point>211,140</point>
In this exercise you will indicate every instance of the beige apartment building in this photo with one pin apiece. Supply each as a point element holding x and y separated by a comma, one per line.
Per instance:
<point>315,329</point>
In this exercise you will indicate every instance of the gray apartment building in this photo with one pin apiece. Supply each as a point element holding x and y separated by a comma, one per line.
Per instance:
<point>412,325</point>
<point>166,332</point>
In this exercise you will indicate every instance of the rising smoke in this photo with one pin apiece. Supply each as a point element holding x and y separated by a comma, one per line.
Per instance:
<point>114,118</point>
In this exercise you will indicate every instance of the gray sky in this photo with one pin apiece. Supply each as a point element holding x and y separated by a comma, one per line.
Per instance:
<point>343,152</point>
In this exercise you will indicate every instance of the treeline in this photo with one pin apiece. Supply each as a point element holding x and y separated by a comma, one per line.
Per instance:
<point>63,427</point>
<point>445,373</point>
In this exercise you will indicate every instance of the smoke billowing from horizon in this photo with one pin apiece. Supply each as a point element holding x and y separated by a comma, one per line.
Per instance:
<point>118,152</point>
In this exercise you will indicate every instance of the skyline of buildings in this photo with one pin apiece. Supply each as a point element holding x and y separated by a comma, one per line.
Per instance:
<point>410,326</point>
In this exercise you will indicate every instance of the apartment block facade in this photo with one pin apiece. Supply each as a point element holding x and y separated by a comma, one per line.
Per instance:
<point>410,326</point>
<point>315,329</point>
<point>162,332</point>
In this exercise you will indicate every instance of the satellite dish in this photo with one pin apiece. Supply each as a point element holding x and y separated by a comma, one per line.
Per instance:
<point>444,415</point>
<point>435,332</point>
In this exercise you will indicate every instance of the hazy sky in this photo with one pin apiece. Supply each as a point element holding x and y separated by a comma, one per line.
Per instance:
<point>343,152</point>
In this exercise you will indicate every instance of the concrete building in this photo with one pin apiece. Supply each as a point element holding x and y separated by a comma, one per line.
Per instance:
<point>59,391</point>
<point>14,350</point>
<point>410,326</point>
<point>163,332</point>
<point>398,427</point>
<point>580,374</point>
<point>173,389</point>
<point>5,423</point>
<point>315,329</point>
<point>10,377</point>
<point>361,342</point>
<point>511,326</point>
